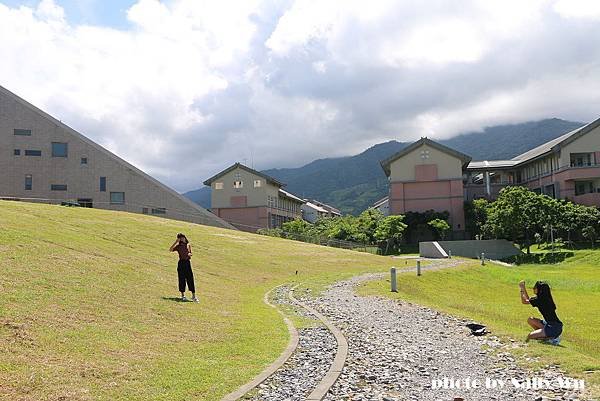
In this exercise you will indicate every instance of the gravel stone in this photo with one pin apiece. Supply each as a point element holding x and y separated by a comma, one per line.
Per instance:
<point>307,366</point>
<point>397,348</point>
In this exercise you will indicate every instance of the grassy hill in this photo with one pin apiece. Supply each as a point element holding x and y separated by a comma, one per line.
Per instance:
<point>87,308</point>
<point>353,183</point>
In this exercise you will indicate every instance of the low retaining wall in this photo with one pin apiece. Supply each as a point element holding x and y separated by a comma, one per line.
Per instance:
<point>493,248</point>
<point>431,250</point>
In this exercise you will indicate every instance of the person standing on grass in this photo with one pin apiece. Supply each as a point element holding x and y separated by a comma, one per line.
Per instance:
<point>184,266</point>
<point>551,327</point>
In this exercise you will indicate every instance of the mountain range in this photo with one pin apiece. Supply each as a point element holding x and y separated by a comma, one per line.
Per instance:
<point>353,183</point>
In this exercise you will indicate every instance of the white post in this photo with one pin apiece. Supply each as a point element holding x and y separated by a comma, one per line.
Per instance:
<point>449,254</point>
<point>393,279</point>
<point>488,189</point>
<point>418,267</point>
<point>482,258</point>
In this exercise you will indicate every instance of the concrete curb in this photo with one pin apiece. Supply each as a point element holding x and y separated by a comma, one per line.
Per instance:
<point>340,356</point>
<point>264,375</point>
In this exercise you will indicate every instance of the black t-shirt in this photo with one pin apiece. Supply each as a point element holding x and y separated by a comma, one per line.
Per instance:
<point>547,310</point>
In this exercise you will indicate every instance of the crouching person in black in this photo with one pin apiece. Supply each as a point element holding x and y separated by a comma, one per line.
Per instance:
<point>550,328</point>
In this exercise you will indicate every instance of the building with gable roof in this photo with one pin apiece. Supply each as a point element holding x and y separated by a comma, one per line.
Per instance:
<point>251,200</point>
<point>427,175</point>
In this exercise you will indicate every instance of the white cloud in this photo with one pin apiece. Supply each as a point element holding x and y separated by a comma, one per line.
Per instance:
<point>283,83</point>
<point>578,8</point>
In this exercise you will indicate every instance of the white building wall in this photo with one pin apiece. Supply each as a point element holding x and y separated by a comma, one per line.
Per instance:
<point>309,213</point>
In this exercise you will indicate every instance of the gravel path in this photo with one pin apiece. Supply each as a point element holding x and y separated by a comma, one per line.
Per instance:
<point>307,365</point>
<point>396,349</point>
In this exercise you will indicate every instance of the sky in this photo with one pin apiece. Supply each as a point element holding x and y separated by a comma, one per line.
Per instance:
<point>184,88</point>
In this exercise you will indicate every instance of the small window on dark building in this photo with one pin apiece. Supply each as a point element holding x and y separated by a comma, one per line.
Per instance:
<point>117,198</point>
<point>60,149</point>
<point>84,160</point>
<point>17,152</point>
<point>102,184</point>
<point>22,132</point>
<point>159,210</point>
<point>28,182</point>
<point>30,152</point>
<point>58,187</point>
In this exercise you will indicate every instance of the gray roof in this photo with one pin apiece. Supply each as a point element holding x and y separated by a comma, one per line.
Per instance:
<point>385,164</point>
<point>491,164</point>
<point>291,196</point>
<point>248,169</point>
<point>557,143</point>
<point>546,147</point>
<point>539,151</point>
<point>325,206</point>
<point>380,202</point>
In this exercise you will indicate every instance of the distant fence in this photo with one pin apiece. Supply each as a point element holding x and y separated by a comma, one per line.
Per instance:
<point>331,242</point>
<point>320,240</point>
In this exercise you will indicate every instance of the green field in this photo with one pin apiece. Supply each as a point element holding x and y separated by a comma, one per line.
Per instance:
<point>87,309</point>
<point>490,294</point>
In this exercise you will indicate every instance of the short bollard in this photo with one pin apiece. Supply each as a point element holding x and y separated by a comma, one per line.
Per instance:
<point>449,254</point>
<point>482,258</point>
<point>418,267</point>
<point>393,279</point>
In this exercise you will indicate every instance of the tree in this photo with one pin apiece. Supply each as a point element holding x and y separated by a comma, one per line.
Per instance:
<point>296,227</point>
<point>589,220</point>
<point>518,214</point>
<point>590,233</point>
<point>366,225</point>
<point>570,218</point>
<point>343,228</point>
<point>390,231</point>
<point>417,223</point>
<point>440,226</point>
<point>476,214</point>
<point>271,232</point>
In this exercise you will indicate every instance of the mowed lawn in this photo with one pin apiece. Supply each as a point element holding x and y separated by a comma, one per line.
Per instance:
<point>87,309</point>
<point>490,294</point>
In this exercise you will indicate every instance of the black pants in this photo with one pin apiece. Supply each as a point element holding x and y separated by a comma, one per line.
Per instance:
<point>184,272</point>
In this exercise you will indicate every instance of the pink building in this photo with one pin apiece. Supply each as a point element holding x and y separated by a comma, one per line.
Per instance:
<point>567,167</point>
<point>251,200</point>
<point>429,176</point>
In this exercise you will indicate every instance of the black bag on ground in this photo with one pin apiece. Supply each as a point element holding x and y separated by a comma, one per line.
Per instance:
<point>477,329</point>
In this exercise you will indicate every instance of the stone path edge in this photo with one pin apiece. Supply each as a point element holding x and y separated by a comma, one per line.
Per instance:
<point>278,363</point>
<point>341,354</point>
